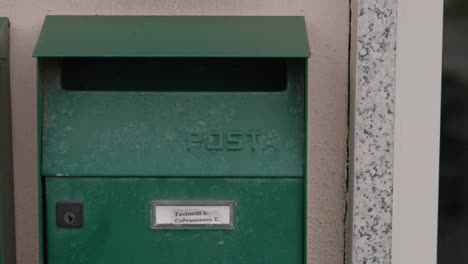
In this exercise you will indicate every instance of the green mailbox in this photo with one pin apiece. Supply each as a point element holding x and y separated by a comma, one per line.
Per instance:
<point>7,212</point>
<point>172,139</point>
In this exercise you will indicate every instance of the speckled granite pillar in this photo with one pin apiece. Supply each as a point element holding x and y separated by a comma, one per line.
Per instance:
<point>372,67</point>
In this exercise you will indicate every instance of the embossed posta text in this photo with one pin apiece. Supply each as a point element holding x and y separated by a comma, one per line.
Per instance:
<point>232,141</point>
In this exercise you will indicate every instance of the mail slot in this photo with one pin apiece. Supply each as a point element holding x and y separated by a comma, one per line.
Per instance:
<point>172,139</point>
<point>7,212</point>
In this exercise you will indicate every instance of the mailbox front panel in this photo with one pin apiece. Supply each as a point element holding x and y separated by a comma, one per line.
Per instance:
<point>117,219</point>
<point>173,131</point>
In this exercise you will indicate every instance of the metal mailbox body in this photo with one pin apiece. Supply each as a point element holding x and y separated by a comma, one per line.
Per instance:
<point>140,112</point>
<point>7,212</point>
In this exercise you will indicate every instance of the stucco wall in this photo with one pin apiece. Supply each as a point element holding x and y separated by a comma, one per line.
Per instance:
<point>328,25</point>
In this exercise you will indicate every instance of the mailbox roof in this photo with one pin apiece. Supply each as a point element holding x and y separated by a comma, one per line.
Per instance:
<point>173,36</point>
<point>4,50</point>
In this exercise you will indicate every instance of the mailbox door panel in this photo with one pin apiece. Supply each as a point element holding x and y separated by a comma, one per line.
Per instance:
<point>117,219</point>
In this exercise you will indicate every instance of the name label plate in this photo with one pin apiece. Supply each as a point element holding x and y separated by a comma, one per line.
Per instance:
<point>193,215</point>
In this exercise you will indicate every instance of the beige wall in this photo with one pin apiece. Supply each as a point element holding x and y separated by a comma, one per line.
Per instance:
<point>328,24</point>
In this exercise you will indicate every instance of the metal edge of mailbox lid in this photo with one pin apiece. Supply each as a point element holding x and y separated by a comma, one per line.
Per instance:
<point>168,36</point>
<point>7,224</point>
<point>44,50</point>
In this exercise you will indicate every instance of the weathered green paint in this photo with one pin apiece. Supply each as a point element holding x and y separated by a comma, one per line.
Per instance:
<point>40,183</point>
<point>169,36</point>
<point>7,224</point>
<point>117,222</point>
<point>133,133</point>
<point>164,119</point>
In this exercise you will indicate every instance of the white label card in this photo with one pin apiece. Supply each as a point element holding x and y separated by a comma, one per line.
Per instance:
<point>193,214</point>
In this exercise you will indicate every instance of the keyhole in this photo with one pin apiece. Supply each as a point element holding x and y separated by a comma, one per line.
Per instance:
<point>69,218</point>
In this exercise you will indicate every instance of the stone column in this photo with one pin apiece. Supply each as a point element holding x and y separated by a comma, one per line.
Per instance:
<point>371,136</point>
